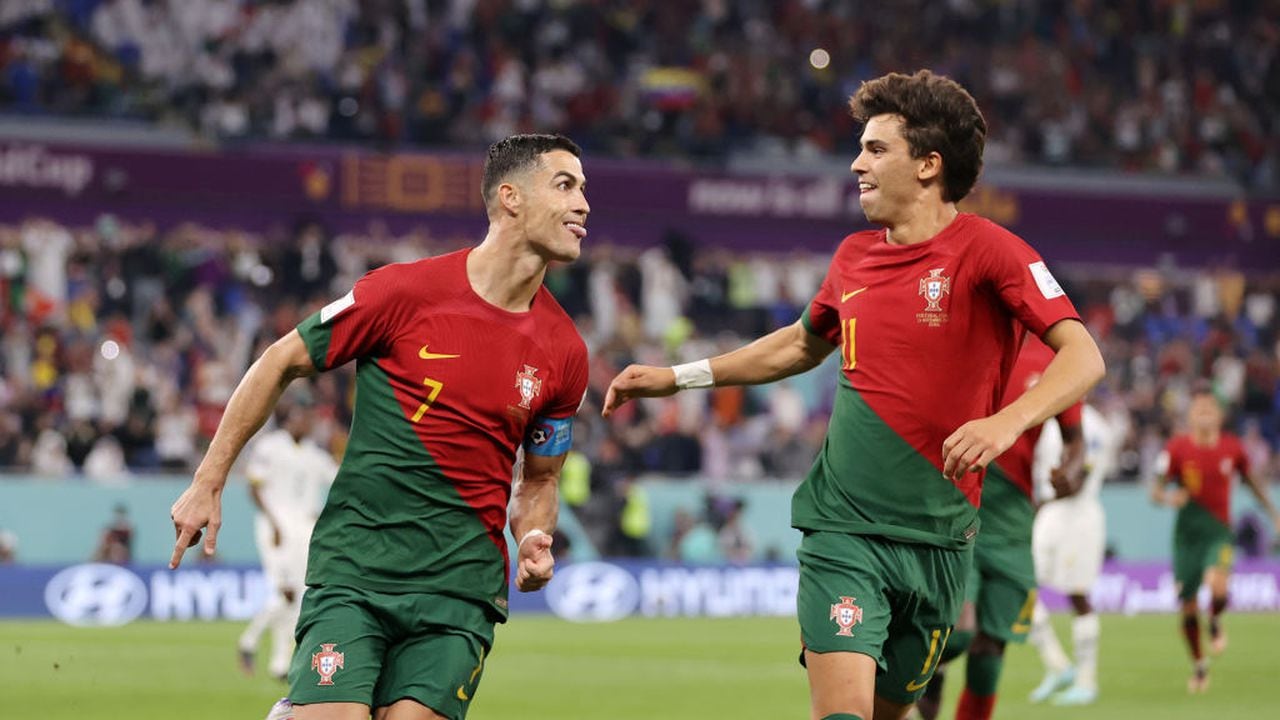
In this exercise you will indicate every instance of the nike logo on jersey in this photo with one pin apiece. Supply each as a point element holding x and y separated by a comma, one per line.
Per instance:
<point>851,293</point>
<point>434,356</point>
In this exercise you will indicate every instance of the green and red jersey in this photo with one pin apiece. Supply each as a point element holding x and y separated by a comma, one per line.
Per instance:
<point>1205,471</point>
<point>448,386</point>
<point>928,334</point>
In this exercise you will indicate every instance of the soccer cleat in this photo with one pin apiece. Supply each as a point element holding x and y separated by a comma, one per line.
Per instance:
<point>282,710</point>
<point>1199,680</point>
<point>1218,643</point>
<point>246,662</point>
<point>1076,695</point>
<point>1052,683</point>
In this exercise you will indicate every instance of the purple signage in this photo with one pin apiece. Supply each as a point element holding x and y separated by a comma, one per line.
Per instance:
<point>634,203</point>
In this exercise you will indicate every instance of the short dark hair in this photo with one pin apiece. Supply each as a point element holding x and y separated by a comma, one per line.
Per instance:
<point>517,153</point>
<point>938,116</point>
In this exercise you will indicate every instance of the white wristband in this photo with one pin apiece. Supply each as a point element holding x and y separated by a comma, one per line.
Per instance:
<point>694,375</point>
<point>532,533</point>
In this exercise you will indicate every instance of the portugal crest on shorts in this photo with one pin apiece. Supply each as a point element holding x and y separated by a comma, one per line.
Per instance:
<point>529,385</point>
<point>326,662</point>
<point>846,615</point>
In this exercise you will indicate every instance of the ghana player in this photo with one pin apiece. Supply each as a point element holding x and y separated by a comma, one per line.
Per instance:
<point>1001,591</point>
<point>1202,462</point>
<point>928,314</point>
<point>461,360</point>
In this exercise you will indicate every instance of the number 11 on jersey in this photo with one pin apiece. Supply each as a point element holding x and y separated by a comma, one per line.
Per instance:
<point>848,348</point>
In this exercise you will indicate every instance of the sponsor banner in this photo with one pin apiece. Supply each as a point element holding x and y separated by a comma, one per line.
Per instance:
<point>106,595</point>
<point>636,203</point>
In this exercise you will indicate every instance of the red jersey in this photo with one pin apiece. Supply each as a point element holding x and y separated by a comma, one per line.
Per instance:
<point>1017,460</point>
<point>1205,471</point>
<point>927,334</point>
<point>448,386</point>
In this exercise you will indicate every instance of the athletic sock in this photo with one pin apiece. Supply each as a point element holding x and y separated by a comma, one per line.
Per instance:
<point>1215,615</point>
<point>1045,641</point>
<point>1191,631</point>
<point>1085,630</point>
<point>982,674</point>
<point>975,707</point>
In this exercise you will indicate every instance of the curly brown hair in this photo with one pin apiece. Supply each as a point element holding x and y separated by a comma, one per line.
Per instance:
<point>938,116</point>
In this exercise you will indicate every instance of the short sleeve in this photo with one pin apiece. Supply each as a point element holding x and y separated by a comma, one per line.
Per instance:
<point>1072,417</point>
<point>1242,459</point>
<point>574,389</point>
<point>354,325</point>
<point>1168,464</point>
<point>822,316</point>
<point>1023,282</point>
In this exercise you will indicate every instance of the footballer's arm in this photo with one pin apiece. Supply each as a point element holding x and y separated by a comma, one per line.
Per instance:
<point>200,505</point>
<point>535,505</point>
<point>1260,492</point>
<point>1077,366</point>
<point>1068,477</point>
<point>782,353</point>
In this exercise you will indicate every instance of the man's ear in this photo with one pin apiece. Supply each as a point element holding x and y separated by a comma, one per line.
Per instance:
<point>930,167</point>
<point>510,198</point>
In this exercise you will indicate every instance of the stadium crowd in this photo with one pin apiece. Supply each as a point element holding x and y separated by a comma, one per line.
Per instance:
<point>120,345</point>
<point>1142,85</point>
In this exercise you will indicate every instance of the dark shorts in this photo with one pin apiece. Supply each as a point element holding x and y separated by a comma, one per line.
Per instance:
<point>1194,554</point>
<point>893,601</point>
<point>376,648</point>
<point>1002,588</point>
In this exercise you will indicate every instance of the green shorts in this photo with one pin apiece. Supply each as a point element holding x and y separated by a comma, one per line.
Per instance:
<point>1002,588</point>
<point>893,601</point>
<point>376,648</point>
<point>1194,555</point>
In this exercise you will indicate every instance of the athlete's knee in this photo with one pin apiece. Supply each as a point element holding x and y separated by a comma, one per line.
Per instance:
<point>890,709</point>
<point>984,644</point>
<point>1081,605</point>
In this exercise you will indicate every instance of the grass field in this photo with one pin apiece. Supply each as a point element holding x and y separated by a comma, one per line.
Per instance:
<point>548,669</point>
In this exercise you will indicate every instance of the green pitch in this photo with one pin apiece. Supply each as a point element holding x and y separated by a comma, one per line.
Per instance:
<point>638,669</point>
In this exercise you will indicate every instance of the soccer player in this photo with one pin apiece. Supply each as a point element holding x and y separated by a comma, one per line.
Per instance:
<point>1202,463</point>
<point>289,475</point>
<point>1001,591</point>
<point>1068,542</point>
<point>462,360</point>
<point>928,313</point>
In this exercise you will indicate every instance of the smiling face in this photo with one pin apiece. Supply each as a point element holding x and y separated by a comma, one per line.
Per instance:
<point>889,178</point>
<point>554,208</point>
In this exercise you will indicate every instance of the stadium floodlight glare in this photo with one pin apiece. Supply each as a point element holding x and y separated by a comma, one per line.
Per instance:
<point>819,58</point>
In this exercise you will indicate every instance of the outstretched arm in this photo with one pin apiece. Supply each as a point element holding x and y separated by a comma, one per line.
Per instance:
<point>535,505</point>
<point>1260,492</point>
<point>200,505</point>
<point>782,353</point>
<point>1076,367</point>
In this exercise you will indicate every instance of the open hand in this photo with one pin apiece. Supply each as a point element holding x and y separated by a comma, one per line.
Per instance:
<point>638,381</point>
<point>976,443</point>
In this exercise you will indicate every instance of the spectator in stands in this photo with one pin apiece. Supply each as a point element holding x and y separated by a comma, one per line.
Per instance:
<point>115,545</point>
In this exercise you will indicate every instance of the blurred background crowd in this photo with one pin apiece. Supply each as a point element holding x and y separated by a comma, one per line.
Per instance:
<point>1155,86</point>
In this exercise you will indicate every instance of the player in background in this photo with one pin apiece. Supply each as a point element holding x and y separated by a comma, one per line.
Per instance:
<point>289,475</point>
<point>1069,543</point>
<point>923,313</point>
<point>462,360</point>
<point>1001,590</point>
<point>1202,463</point>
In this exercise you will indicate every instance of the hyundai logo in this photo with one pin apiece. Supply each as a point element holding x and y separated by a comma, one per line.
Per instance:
<point>593,592</point>
<point>88,595</point>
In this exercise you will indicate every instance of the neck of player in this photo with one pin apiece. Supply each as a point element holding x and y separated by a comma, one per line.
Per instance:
<point>505,274</point>
<point>927,217</point>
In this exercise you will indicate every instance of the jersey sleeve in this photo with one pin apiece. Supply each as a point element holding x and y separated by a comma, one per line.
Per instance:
<point>822,316</point>
<point>355,325</point>
<point>1023,282</point>
<point>570,398</point>
<point>1241,459</point>
<point>550,434</point>
<point>1169,463</point>
<point>1072,417</point>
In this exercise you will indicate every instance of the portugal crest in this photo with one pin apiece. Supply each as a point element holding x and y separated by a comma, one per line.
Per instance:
<point>529,385</point>
<point>846,615</point>
<point>326,662</point>
<point>933,288</point>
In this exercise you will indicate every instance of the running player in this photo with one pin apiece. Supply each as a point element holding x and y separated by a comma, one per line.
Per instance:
<point>1069,542</point>
<point>1001,591</point>
<point>289,475</point>
<point>1202,463</point>
<point>927,314</point>
<point>461,360</point>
